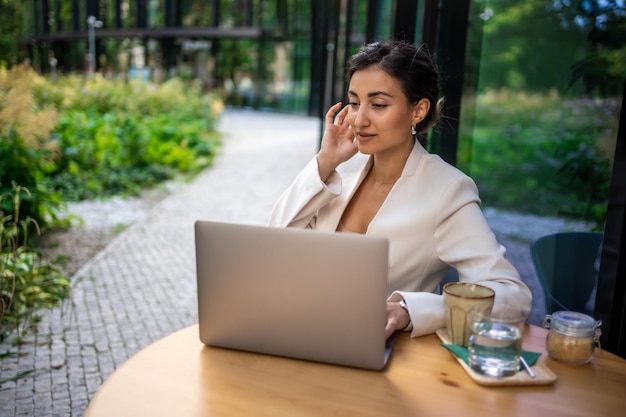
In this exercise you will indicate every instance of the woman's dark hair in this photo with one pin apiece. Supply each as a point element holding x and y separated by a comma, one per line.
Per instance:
<point>412,66</point>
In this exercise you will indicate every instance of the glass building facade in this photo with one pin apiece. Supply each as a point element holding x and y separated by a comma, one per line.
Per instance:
<point>533,89</point>
<point>256,52</point>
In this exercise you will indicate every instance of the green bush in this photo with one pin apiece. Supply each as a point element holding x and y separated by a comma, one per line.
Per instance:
<point>118,137</point>
<point>28,153</point>
<point>541,154</point>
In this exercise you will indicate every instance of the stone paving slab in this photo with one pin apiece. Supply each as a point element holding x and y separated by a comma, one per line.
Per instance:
<point>141,287</point>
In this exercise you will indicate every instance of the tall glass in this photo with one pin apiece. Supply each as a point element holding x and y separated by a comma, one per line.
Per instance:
<point>495,342</point>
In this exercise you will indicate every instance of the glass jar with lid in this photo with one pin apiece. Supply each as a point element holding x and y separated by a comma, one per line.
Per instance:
<point>572,337</point>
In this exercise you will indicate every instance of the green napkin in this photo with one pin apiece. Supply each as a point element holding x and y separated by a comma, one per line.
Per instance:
<point>461,352</point>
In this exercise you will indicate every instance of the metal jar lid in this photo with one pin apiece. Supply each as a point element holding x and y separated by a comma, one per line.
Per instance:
<point>574,324</point>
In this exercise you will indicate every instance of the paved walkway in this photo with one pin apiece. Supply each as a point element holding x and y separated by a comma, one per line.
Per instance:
<point>142,287</point>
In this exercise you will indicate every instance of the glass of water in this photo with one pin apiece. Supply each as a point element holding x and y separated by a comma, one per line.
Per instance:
<point>495,342</point>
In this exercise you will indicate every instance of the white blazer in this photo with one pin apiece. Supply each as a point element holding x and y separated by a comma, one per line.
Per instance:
<point>432,219</point>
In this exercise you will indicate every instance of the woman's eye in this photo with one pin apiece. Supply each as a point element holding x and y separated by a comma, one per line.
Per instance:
<point>353,104</point>
<point>379,105</point>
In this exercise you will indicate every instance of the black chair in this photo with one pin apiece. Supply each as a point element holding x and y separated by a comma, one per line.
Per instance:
<point>565,266</point>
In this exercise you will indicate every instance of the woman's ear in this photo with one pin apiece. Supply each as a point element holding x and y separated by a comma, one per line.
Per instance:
<point>420,111</point>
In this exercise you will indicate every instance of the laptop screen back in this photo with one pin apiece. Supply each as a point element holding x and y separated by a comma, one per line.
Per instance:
<point>293,292</point>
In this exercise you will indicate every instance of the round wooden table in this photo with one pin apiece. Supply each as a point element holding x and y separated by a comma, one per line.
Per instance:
<point>179,376</point>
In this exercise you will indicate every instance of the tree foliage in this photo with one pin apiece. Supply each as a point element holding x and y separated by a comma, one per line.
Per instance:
<point>538,45</point>
<point>604,68</point>
<point>10,32</point>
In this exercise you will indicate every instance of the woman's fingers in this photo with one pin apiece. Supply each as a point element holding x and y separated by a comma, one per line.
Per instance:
<point>341,118</point>
<point>389,330</point>
<point>330,114</point>
<point>396,318</point>
<point>338,138</point>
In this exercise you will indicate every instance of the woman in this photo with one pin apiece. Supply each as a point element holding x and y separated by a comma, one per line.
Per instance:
<point>373,176</point>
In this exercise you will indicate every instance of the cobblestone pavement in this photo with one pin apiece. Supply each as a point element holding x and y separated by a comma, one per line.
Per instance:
<point>141,287</point>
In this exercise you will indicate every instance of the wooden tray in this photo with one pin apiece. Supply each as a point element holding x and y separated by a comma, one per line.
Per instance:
<point>543,374</point>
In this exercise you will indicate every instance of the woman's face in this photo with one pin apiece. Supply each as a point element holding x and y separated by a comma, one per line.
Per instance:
<point>380,114</point>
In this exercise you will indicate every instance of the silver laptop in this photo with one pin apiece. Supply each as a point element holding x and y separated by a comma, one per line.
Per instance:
<point>296,293</point>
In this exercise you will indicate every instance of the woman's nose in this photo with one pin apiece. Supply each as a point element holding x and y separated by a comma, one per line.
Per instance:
<point>360,117</point>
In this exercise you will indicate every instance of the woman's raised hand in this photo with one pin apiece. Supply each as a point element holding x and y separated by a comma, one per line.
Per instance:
<point>338,142</point>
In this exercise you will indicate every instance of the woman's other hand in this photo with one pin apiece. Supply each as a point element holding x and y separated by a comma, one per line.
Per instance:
<point>397,318</point>
<point>338,142</point>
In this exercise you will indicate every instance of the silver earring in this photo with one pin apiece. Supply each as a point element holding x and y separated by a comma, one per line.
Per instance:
<point>413,131</point>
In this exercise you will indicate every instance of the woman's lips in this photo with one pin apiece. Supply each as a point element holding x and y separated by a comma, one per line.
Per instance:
<point>362,136</point>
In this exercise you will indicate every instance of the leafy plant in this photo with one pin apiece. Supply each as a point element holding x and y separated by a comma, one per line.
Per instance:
<point>27,282</point>
<point>584,173</point>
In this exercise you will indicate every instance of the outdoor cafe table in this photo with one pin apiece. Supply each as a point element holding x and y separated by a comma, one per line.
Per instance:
<point>179,376</point>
